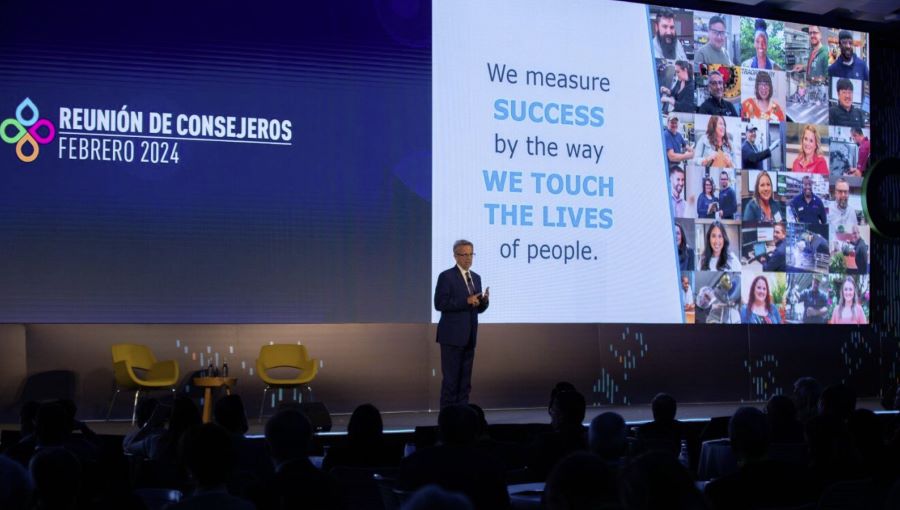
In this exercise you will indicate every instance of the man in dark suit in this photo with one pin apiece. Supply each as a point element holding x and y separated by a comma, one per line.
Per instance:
<point>459,298</point>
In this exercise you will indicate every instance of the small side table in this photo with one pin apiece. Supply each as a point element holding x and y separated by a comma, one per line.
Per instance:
<point>208,383</point>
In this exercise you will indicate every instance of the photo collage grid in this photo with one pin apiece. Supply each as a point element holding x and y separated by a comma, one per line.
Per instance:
<point>766,132</point>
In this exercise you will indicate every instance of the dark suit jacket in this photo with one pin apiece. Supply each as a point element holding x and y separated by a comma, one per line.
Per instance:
<point>459,321</point>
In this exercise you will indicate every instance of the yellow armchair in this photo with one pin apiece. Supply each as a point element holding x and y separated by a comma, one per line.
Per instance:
<point>159,375</point>
<point>285,356</point>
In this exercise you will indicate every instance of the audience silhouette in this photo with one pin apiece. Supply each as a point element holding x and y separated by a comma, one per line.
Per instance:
<point>567,408</point>
<point>813,448</point>
<point>456,464</point>
<point>207,453</point>
<point>366,446</point>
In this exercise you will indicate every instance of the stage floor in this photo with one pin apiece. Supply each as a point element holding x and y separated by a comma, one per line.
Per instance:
<point>406,421</point>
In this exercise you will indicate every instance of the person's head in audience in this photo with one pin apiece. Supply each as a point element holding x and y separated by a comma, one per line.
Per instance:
<point>365,426</point>
<point>845,93</point>
<point>53,424</point>
<point>807,391</point>
<point>27,417</point>
<point>208,454</point>
<point>433,497</point>
<point>56,474</point>
<point>184,415</point>
<point>748,431</point>
<point>781,408</point>
<point>838,401</point>
<point>830,444</point>
<point>229,413</point>
<point>144,410</point>
<point>557,389</point>
<point>288,435</point>
<point>664,408</point>
<point>458,425</point>
<point>608,436</point>
<point>657,481</point>
<point>567,411</point>
<point>580,481</point>
<point>782,416</point>
<point>482,421</point>
<point>70,407</point>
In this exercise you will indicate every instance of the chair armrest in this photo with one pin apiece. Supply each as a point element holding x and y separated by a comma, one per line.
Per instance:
<point>164,370</point>
<point>124,375</point>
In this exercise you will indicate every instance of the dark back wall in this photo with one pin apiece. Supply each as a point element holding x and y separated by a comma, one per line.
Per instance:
<point>397,366</point>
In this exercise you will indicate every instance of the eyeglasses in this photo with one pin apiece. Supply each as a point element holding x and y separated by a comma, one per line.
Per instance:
<point>464,255</point>
<point>717,33</point>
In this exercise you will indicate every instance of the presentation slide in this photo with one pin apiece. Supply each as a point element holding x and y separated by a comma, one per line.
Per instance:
<point>622,162</point>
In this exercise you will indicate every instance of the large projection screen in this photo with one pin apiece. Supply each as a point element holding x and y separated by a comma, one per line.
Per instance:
<point>625,163</point>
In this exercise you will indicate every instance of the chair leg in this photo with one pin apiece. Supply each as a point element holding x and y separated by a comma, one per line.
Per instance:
<point>112,401</point>
<point>310,392</point>
<point>137,395</point>
<point>262,405</point>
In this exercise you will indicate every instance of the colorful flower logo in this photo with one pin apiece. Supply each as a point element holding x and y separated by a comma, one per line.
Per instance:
<point>27,131</point>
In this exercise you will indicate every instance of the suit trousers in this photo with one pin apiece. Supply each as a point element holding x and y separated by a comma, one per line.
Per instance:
<point>456,368</point>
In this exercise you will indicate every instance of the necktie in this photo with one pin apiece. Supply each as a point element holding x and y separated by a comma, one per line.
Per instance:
<point>469,284</point>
